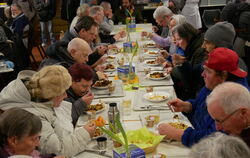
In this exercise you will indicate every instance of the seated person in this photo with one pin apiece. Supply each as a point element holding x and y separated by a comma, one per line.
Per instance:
<point>20,24</point>
<point>229,106</point>
<point>97,13</point>
<point>79,93</point>
<point>20,134</point>
<point>221,66</point>
<point>82,10</point>
<point>221,146</point>
<point>126,10</point>
<point>41,93</point>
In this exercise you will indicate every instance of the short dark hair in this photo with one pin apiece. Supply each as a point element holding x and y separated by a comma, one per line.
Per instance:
<point>81,71</point>
<point>85,22</point>
<point>18,122</point>
<point>186,31</point>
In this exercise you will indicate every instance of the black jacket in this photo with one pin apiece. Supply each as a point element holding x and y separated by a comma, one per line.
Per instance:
<point>79,107</point>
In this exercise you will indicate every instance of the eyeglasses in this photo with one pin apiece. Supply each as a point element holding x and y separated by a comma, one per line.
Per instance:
<point>227,117</point>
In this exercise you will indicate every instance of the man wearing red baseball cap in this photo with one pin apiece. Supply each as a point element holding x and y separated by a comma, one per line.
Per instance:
<point>221,66</point>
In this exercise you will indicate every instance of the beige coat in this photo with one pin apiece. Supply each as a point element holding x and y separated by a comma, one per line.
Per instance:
<point>54,138</point>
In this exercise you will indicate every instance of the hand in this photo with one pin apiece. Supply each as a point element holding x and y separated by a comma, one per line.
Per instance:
<point>169,70</point>
<point>119,35</point>
<point>112,46</point>
<point>101,75</point>
<point>100,68</point>
<point>166,64</point>
<point>160,60</point>
<point>88,98</point>
<point>178,59</point>
<point>155,28</point>
<point>144,33</point>
<point>180,106</point>
<point>90,127</point>
<point>170,132</point>
<point>164,53</point>
<point>103,49</point>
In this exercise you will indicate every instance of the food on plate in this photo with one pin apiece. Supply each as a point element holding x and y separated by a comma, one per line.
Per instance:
<point>176,117</point>
<point>152,53</point>
<point>102,83</point>
<point>149,45</point>
<point>152,120</point>
<point>110,57</point>
<point>109,66</point>
<point>179,125</point>
<point>98,132</point>
<point>151,62</point>
<point>157,75</point>
<point>95,107</point>
<point>100,121</point>
<point>157,97</point>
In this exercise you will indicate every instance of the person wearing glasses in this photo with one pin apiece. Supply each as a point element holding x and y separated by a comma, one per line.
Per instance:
<point>229,106</point>
<point>221,66</point>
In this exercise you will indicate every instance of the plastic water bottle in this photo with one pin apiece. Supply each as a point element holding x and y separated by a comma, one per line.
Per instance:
<point>113,113</point>
<point>165,2</point>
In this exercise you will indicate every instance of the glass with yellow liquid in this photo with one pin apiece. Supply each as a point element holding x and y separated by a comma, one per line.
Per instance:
<point>126,105</point>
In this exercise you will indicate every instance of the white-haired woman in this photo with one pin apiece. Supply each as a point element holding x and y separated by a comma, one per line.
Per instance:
<point>40,94</point>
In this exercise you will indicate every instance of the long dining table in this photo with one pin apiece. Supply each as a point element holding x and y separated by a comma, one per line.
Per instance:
<point>135,119</point>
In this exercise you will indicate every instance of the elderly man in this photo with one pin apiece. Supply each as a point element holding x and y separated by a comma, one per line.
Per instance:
<point>79,93</point>
<point>107,25</point>
<point>229,106</point>
<point>77,51</point>
<point>162,16</point>
<point>221,66</point>
<point>20,24</point>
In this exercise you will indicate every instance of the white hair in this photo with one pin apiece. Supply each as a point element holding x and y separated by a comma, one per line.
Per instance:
<point>162,11</point>
<point>179,19</point>
<point>81,10</point>
<point>219,145</point>
<point>230,96</point>
<point>105,5</point>
<point>94,10</point>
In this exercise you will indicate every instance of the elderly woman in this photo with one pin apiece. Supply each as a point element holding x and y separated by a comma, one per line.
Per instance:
<point>166,42</point>
<point>41,94</point>
<point>190,40</point>
<point>82,10</point>
<point>20,134</point>
<point>221,66</point>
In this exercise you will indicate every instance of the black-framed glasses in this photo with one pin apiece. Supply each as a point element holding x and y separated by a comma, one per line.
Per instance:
<point>227,117</point>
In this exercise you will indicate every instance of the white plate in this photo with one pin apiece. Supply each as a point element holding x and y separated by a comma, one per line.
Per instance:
<point>174,120</point>
<point>148,96</point>
<point>157,79</point>
<point>156,64</point>
<point>103,87</point>
<point>109,70</point>
<point>152,55</point>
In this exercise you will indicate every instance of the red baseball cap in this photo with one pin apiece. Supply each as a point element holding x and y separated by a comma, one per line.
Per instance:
<point>224,59</point>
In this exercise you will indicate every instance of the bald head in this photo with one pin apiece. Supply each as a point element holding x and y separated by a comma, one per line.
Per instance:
<point>79,49</point>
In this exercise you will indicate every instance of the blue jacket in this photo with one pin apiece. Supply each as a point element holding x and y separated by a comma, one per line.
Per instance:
<point>200,119</point>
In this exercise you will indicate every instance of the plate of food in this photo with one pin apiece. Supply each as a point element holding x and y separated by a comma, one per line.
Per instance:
<point>109,68</point>
<point>151,62</point>
<point>157,75</point>
<point>149,45</point>
<point>152,53</point>
<point>102,84</point>
<point>110,58</point>
<point>97,108</point>
<point>156,96</point>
